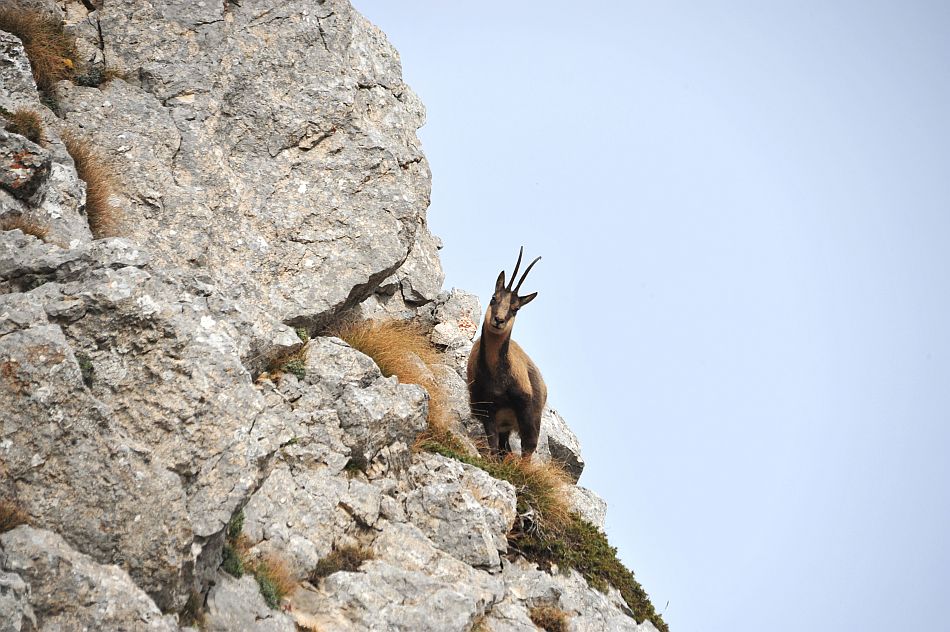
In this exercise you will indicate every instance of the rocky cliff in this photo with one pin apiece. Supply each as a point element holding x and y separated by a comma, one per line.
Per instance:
<point>202,188</point>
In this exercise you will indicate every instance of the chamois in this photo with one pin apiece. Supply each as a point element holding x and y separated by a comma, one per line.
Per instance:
<point>505,387</point>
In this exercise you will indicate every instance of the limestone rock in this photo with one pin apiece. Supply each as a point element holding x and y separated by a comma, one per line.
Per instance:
<point>420,277</point>
<point>123,390</point>
<point>274,147</point>
<point>69,591</point>
<point>458,317</point>
<point>463,510</point>
<point>373,411</point>
<point>588,609</point>
<point>589,505</point>
<point>409,586</point>
<point>15,611</point>
<point>24,165</point>
<point>237,604</point>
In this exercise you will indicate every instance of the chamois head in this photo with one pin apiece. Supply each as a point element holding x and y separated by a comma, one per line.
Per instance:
<point>505,302</point>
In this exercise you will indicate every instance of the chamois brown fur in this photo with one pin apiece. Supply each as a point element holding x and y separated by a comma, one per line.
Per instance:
<point>505,387</point>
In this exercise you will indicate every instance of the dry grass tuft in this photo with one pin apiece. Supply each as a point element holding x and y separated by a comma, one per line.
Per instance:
<point>391,344</point>
<point>275,579</point>
<point>403,349</point>
<point>27,226</point>
<point>105,219</point>
<point>51,51</point>
<point>26,123</point>
<point>346,558</point>
<point>549,618</point>
<point>11,516</point>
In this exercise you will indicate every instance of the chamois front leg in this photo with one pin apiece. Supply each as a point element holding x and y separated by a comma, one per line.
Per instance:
<point>504,442</point>
<point>491,433</point>
<point>529,427</point>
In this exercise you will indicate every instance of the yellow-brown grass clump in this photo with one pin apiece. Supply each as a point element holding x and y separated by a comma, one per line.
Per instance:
<point>26,123</point>
<point>105,218</point>
<point>51,51</point>
<point>401,348</point>
<point>549,618</point>
<point>27,226</point>
<point>274,579</point>
<point>11,516</point>
<point>345,558</point>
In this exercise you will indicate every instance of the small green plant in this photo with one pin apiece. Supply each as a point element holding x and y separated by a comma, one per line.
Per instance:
<point>294,362</point>
<point>345,558</point>
<point>549,618</point>
<point>296,367</point>
<point>236,525</point>
<point>86,368</point>
<point>232,564</point>
<point>26,123</point>
<point>303,334</point>
<point>11,516</point>
<point>94,76</point>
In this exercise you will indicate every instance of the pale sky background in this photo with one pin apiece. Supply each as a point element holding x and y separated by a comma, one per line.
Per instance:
<point>744,308</point>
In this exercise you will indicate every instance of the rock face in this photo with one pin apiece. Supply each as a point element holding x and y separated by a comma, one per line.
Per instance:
<point>68,590</point>
<point>154,388</point>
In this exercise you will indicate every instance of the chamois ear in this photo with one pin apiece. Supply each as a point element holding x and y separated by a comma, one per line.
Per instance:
<point>500,283</point>
<point>524,300</point>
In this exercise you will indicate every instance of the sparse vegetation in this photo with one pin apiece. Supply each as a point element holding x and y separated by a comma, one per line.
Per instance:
<point>274,579</point>
<point>583,547</point>
<point>232,563</point>
<point>26,123</point>
<point>303,334</point>
<point>95,76</point>
<point>401,348</point>
<point>549,534</point>
<point>294,362</point>
<point>549,618</point>
<point>105,219</point>
<point>271,571</point>
<point>27,226</point>
<point>345,558</point>
<point>11,516</point>
<point>51,51</point>
<point>86,368</point>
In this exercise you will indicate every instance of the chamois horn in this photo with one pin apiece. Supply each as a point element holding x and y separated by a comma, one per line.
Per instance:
<point>518,287</point>
<point>514,273</point>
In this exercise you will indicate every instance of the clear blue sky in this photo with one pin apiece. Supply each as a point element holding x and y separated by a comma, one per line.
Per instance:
<point>744,308</point>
